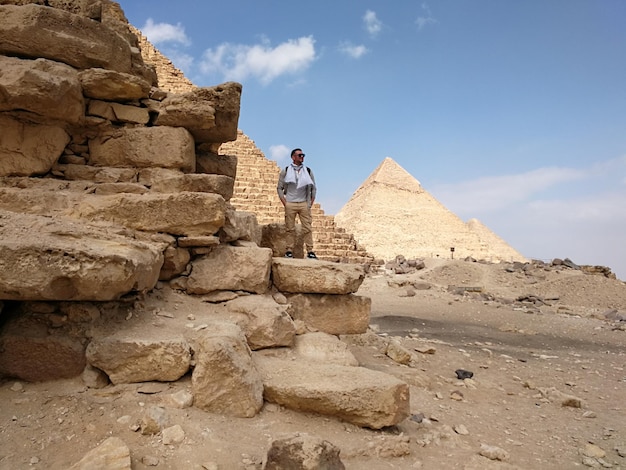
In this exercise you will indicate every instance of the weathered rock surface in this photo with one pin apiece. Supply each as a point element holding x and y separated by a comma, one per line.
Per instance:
<point>40,31</point>
<point>265,323</point>
<point>354,394</point>
<point>71,261</point>
<point>43,87</point>
<point>334,314</point>
<point>210,114</point>
<point>109,85</point>
<point>316,277</point>
<point>303,452</point>
<point>187,214</point>
<point>127,357</point>
<point>324,348</point>
<point>28,149</point>
<point>231,268</point>
<point>225,379</point>
<point>112,454</point>
<point>142,147</point>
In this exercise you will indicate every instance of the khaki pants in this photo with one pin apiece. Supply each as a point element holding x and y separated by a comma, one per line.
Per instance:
<point>303,211</point>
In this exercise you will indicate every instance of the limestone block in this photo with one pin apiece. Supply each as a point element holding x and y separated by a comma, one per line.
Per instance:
<point>39,31</point>
<point>96,174</point>
<point>225,379</point>
<point>274,237</point>
<point>240,225</point>
<point>324,348</point>
<point>231,268</point>
<point>31,351</point>
<point>334,314</point>
<point>219,184</point>
<point>105,189</point>
<point>187,214</point>
<point>148,176</point>
<point>317,277</point>
<point>211,114</point>
<point>27,149</point>
<point>174,263</point>
<point>142,147</point>
<point>212,163</point>
<point>304,452</point>
<point>357,395</point>
<point>118,112</point>
<point>138,356</point>
<point>265,323</point>
<point>110,85</point>
<point>112,454</point>
<point>43,258</point>
<point>41,86</point>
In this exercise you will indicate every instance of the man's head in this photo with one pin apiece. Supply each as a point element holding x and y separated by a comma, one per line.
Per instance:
<point>297,156</point>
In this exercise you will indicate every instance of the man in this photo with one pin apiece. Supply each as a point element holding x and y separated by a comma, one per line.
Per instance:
<point>296,190</point>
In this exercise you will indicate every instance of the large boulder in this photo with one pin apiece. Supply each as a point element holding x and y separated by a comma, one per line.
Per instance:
<point>316,277</point>
<point>44,258</point>
<point>187,214</point>
<point>218,184</point>
<point>39,31</point>
<point>225,379</point>
<point>143,147</point>
<point>109,85</point>
<point>228,267</point>
<point>265,323</point>
<point>136,356</point>
<point>334,314</point>
<point>43,87</point>
<point>354,394</point>
<point>211,114</point>
<point>28,149</point>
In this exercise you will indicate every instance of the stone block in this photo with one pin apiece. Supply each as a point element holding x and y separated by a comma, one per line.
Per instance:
<point>110,85</point>
<point>316,277</point>
<point>138,356</point>
<point>231,268</point>
<point>143,147</point>
<point>357,395</point>
<point>28,149</point>
<point>225,379</point>
<point>43,87</point>
<point>39,31</point>
<point>334,314</point>
<point>186,214</point>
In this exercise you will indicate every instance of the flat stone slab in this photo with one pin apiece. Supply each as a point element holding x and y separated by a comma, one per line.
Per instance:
<point>316,277</point>
<point>357,395</point>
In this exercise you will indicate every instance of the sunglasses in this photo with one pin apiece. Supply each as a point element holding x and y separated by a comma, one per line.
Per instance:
<point>299,155</point>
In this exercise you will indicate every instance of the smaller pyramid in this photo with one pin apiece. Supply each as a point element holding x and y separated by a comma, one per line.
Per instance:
<point>390,214</point>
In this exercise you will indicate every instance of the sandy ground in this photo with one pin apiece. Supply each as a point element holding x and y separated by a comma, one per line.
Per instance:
<point>548,388</point>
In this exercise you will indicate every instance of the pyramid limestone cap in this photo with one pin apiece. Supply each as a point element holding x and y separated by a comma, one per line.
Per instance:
<point>391,174</point>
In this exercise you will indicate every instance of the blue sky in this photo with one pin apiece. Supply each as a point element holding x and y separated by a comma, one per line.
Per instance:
<point>511,112</point>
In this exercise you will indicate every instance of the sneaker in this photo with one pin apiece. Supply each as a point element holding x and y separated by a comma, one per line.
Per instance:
<point>288,254</point>
<point>311,255</point>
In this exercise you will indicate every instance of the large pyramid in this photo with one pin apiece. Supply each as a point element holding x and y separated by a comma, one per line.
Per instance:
<point>391,214</point>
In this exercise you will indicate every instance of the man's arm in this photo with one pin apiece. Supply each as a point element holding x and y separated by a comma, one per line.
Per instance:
<point>280,188</point>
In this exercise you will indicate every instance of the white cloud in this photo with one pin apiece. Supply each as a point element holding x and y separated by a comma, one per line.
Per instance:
<point>238,62</point>
<point>423,21</point>
<point>165,32</point>
<point>372,24</point>
<point>551,212</point>
<point>353,51</point>
<point>280,153</point>
<point>492,193</point>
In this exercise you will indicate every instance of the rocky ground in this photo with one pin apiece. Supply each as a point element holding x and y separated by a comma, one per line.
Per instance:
<point>545,346</point>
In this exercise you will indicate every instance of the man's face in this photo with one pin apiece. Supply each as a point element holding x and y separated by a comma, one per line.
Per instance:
<point>298,157</point>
